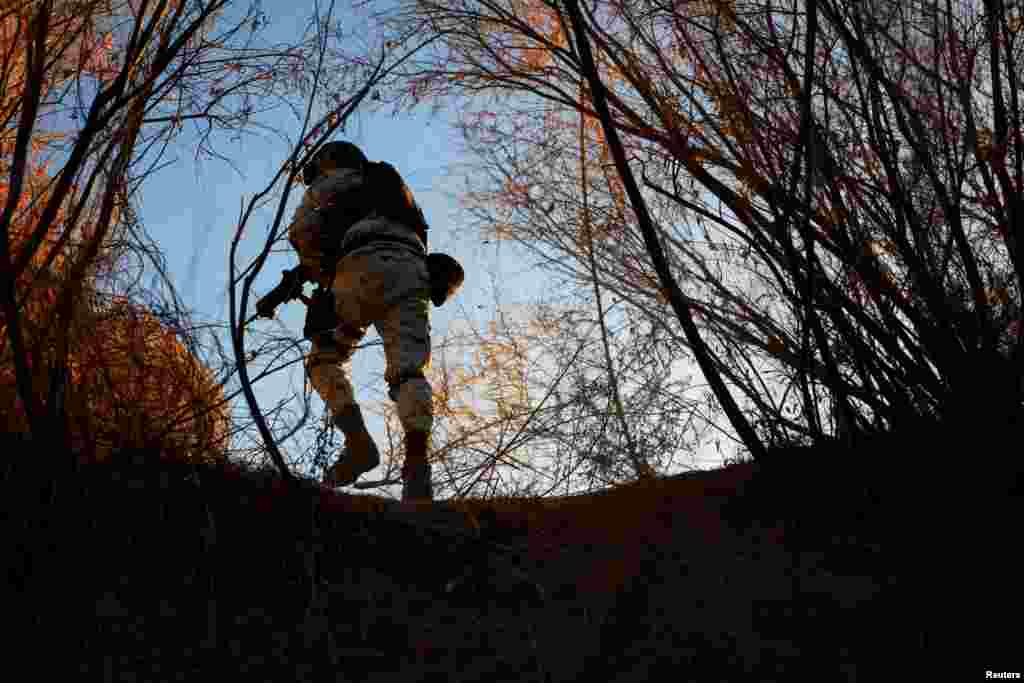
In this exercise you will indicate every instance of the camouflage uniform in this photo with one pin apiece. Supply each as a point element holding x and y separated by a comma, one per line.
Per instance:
<point>384,283</point>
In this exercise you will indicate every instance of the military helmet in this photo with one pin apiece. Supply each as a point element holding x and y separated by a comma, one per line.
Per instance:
<point>343,154</point>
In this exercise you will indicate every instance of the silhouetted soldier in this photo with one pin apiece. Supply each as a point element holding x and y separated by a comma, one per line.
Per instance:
<point>363,239</point>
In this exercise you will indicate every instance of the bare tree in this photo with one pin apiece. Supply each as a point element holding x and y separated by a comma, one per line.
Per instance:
<point>60,49</point>
<point>861,163</point>
<point>131,76</point>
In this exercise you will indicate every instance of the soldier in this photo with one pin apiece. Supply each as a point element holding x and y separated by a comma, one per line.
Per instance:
<point>362,238</point>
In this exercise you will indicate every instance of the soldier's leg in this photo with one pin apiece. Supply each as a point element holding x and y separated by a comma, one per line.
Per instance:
<point>405,330</point>
<point>329,368</point>
<point>391,287</point>
<point>407,350</point>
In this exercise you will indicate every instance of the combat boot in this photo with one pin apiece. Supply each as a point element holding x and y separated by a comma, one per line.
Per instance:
<point>416,487</point>
<point>360,454</point>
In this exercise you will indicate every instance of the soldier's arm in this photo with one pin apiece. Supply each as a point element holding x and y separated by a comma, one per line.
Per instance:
<point>304,230</point>
<point>329,207</point>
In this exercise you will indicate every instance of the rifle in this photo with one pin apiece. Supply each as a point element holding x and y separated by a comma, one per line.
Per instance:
<point>288,289</point>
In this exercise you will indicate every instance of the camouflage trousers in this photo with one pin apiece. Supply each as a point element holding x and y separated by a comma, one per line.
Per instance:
<point>389,288</point>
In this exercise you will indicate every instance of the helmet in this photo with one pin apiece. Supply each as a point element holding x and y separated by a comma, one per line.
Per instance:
<point>344,154</point>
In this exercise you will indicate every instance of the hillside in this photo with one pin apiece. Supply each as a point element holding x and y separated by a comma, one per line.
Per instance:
<point>833,565</point>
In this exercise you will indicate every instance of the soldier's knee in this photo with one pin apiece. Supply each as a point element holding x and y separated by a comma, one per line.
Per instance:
<point>415,402</point>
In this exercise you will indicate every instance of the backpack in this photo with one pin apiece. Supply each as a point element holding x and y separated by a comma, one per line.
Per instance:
<point>382,192</point>
<point>393,198</point>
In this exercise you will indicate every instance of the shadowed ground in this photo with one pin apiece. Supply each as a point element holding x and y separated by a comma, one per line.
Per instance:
<point>831,563</point>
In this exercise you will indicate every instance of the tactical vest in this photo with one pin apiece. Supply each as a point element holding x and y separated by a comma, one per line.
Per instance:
<point>382,193</point>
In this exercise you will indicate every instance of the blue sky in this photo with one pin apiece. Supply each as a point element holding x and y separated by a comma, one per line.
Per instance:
<point>191,210</point>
